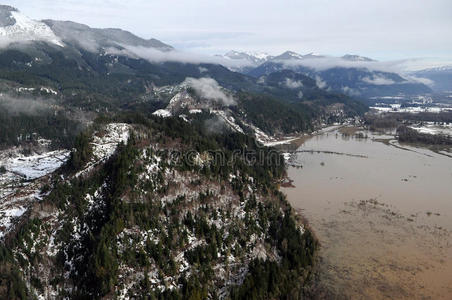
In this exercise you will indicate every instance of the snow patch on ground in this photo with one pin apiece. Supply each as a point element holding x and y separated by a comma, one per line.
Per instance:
<point>265,139</point>
<point>37,165</point>
<point>195,111</point>
<point>432,128</point>
<point>6,217</point>
<point>417,109</point>
<point>280,142</point>
<point>21,169</point>
<point>229,120</point>
<point>164,113</point>
<point>286,156</point>
<point>105,144</point>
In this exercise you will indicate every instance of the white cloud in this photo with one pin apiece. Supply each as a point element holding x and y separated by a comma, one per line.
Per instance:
<point>300,94</point>
<point>320,83</point>
<point>422,80</point>
<point>319,64</point>
<point>403,67</point>
<point>157,56</point>
<point>328,62</point>
<point>28,106</point>
<point>378,80</point>
<point>209,88</point>
<point>293,84</point>
<point>349,91</point>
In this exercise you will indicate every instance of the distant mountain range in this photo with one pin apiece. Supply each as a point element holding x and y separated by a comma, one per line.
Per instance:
<point>49,50</point>
<point>354,75</point>
<point>255,59</point>
<point>441,78</point>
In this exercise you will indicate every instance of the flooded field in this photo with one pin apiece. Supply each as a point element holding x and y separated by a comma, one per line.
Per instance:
<point>382,213</point>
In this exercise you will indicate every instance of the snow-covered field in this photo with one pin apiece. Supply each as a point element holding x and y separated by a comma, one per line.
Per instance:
<point>414,109</point>
<point>432,128</point>
<point>37,165</point>
<point>22,168</point>
<point>17,189</point>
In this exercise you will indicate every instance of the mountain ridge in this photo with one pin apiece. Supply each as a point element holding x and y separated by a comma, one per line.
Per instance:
<point>83,35</point>
<point>357,81</point>
<point>15,27</point>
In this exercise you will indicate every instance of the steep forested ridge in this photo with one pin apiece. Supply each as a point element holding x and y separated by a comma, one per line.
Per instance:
<point>149,223</point>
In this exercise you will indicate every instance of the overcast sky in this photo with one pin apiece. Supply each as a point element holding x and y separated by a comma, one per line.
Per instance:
<point>381,29</point>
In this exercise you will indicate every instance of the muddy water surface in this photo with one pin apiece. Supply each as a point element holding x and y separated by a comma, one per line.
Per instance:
<point>383,215</point>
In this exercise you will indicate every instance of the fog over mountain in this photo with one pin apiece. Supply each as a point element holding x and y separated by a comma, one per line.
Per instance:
<point>385,30</point>
<point>17,26</point>
<point>18,30</point>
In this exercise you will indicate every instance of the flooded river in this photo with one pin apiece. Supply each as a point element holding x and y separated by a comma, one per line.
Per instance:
<point>382,213</point>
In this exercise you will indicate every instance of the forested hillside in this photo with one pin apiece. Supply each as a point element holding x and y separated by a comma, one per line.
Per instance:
<point>165,216</point>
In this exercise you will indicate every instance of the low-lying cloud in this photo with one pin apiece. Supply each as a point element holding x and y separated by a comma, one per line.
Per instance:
<point>422,80</point>
<point>300,94</point>
<point>320,83</point>
<point>157,56</point>
<point>378,80</point>
<point>16,106</point>
<point>215,125</point>
<point>404,68</point>
<point>349,91</point>
<point>293,84</point>
<point>328,62</point>
<point>209,88</point>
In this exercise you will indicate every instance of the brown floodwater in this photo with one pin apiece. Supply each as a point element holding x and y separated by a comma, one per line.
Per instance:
<point>382,213</point>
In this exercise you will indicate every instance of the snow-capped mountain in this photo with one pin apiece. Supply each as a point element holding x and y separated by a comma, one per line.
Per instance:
<point>16,27</point>
<point>353,57</point>
<point>438,69</point>
<point>290,55</point>
<point>258,58</point>
<point>255,58</point>
<point>348,74</point>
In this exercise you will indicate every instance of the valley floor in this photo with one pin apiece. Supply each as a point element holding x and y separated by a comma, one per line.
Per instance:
<point>381,211</point>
